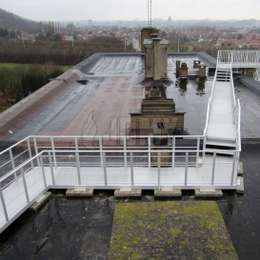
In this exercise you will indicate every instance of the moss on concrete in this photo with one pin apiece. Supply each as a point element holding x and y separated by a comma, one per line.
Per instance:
<point>170,230</point>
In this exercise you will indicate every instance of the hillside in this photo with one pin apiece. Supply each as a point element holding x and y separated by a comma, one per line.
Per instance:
<point>14,22</point>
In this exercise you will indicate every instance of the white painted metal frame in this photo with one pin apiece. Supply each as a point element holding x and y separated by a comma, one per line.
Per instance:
<point>239,58</point>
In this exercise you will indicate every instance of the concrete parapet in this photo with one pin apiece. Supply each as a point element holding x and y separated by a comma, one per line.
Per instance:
<point>41,201</point>
<point>26,103</point>
<point>240,185</point>
<point>241,169</point>
<point>80,193</point>
<point>128,193</point>
<point>208,193</point>
<point>168,192</point>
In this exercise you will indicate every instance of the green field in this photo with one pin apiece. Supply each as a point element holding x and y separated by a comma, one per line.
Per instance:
<point>17,65</point>
<point>20,80</point>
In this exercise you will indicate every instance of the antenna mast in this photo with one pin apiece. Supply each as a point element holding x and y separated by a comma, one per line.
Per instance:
<point>150,13</point>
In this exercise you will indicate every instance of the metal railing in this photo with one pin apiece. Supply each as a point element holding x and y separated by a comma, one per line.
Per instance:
<point>110,169</point>
<point>239,58</point>
<point>24,150</point>
<point>257,75</point>
<point>227,58</point>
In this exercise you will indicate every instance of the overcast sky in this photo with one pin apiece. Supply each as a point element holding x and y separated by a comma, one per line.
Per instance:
<point>67,10</point>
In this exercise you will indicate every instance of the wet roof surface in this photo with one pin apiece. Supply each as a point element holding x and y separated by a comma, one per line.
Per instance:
<point>114,90</point>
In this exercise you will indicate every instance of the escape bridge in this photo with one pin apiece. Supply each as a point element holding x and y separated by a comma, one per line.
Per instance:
<point>210,161</point>
<point>39,163</point>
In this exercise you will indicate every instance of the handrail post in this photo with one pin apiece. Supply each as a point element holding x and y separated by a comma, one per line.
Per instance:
<point>173,151</point>
<point>52,171</point>
<point>53,152</point>
<point>234,163</point>
<point>213,169</point>
<point>149,152</point>
<point>12,161</point>
<point>36,151</point>
<point>186,168</point>
<point>30,151</point>
<point>105,168</point>
<point>4,205</point>
<point>78,160</point>
<point>125,151</point>
<point>103,160</point>
<point>198,151</point>
<point>159,170</point>
<point>132,169</point>
<point>43,173</point>
<point>25,186</point>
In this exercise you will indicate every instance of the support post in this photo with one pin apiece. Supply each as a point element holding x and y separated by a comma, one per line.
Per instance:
<point>25,186</point>
<point>125,151</point>
<point>4,205</point>
<point>173,151</point>
<point>43,174</point>
<point>103,160</point>
<point>149,152</point>
<point>159,170</point>
<point>52,170</point>
<point>53,152</point>
<point>234,163</point>
<point>30,151</point>
<point>78,160</point>
<point>12,162</point>
<point>213,169</point>
<point>186,168</point>
<point>105,168</point>
<point>198,150</point>
<point>36,151</point>
<point>132,169</point>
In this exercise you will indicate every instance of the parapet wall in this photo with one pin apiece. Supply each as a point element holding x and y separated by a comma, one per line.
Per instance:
<point>26,103</point>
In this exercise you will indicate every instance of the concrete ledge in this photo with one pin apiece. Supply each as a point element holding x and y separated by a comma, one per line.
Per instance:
<point>41,201</point>
<point>241,169</point>
<point>168,192</point>
<point>80,193</point>
<point>240,185</point>
<point>208,193</point>
<point>128,193</point>
<point>26,103</point>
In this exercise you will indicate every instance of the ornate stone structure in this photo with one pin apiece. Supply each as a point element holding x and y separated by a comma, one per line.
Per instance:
<point>158,115</point>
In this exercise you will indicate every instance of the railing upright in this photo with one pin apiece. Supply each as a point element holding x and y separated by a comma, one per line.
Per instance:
<point>149,151</point>
<point>125,151</point>
<point>36,150</point>
<point>43,172</point>
<point>4,205</point>
<point>159,170</point>
<point>25,186</point>
<point>213,169</point>
<point>103,159</point>
<point>12,161</point>
<point>53,152</point>
<point>30,151</point>
<point>78,161</point>
<point>52,170</point>
<point>173,150</point>
<point>186,168</point>
<point>132,169</point>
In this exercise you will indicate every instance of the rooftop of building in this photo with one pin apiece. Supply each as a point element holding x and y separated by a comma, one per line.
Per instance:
<point>113,91</point>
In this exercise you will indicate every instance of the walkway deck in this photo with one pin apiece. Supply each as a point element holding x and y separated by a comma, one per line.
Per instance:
<point>16,200</point>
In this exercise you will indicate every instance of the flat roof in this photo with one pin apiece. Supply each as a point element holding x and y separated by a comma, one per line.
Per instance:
<point>114,91</point>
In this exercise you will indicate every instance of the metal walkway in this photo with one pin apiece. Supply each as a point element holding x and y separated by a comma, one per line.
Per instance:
<point>223,118</point>
<point>222,130</point>
<point>39,163</point>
